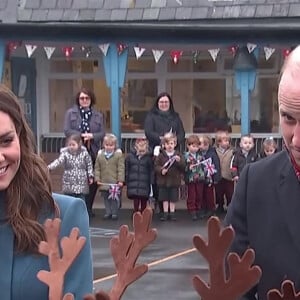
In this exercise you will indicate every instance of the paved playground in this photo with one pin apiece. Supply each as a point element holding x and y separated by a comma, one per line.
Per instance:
<point>171,258</point>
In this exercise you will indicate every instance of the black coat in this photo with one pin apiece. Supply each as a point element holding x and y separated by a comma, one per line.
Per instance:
<point>264,212</point>
<point>239,161</point>
<point>157,124</point>
<point>139,173</point>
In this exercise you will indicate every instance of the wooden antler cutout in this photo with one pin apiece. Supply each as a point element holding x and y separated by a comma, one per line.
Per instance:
<point>287,292</point>
<point>71,247</point>
<point>241,275</point>
<point>125,249</point>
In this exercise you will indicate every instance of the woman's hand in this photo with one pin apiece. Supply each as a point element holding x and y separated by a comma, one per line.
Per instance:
<point>164,171</point>
<point>87,136</point>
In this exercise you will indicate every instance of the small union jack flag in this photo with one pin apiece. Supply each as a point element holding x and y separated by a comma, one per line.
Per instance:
<point>114,192</point>
<point>209,167</point>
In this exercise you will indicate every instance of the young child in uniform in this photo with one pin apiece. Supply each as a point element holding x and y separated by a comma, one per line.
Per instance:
<point>139,174</point>
<point>243,155</point>
<point>212,168</point>
<point>225,187</point>
<point>169,167</point>
<point>194,176</point>
<point>269,147</point>
<point>78,168</point>
<point>110,175</point>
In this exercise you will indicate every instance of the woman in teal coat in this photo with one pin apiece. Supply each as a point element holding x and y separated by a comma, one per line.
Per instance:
<point>25,203</point>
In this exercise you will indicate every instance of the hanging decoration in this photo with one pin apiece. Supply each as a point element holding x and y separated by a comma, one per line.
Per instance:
<point>30,49</point>
<point>68,52</point>
<point>214,53</point>
<point>251,47</point>
<point>196,56</point>
<point>49,51</point>
<point>268,52</point>
<point>121,47</point>
<point>286,52</point>
<point>12,46</point>
<point>175,55</point>
<point>233,49</point>
<point>138,51</point>
<point>104,48</point>
<point>87,50</point>
<point>157,54</point>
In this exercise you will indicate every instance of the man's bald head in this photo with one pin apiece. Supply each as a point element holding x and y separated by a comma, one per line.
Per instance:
<point>289,85</point>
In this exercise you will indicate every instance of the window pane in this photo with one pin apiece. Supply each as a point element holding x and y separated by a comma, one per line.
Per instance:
<point>205,65</point>
<point>74,66</point>
<point>183,65</point>
<point>62,96</point>
<point>141,65</point>
<point>264,108</point>
<point>138,97</point>
<point>210,112</point>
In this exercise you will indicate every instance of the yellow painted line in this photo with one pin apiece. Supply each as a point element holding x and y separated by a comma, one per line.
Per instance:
<point>154,263</point>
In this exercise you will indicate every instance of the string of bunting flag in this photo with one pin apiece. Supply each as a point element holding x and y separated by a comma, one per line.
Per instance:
<point>175,54</point>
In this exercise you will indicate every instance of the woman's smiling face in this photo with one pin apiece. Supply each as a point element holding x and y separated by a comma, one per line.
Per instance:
<point>10,152</point>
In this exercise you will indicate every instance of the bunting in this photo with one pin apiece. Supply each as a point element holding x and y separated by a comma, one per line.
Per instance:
<point>104,48</point>
<point>30,49</point>
<point>49,51</point>
<point>139,51</point>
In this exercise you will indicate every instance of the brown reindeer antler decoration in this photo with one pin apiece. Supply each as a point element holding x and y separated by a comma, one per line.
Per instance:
<point>125,249</point>
<point>71,247</point>
<point>241,275</point>
<point>287,292</point>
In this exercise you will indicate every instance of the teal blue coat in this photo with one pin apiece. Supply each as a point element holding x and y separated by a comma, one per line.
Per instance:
<point>18,279</point>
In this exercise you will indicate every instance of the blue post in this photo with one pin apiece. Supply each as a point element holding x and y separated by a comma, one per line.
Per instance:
<point>2,58</point>
<point>115,66</point>
<point>245,81</point>
<point>245,74</point>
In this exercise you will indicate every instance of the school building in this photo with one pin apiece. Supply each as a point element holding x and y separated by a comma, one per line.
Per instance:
<point>219,60</point>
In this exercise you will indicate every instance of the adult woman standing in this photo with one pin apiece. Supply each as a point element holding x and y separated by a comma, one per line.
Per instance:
<point>161,119</point>
<point>83,119</point>
<point>26,202</point>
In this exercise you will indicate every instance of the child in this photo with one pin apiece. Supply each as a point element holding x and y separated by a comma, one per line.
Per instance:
<point>78,168</point>
<point>244,154</point>
<point>211,164</point>
<point>109,175</point>
<point>169,166</point>
<point>139,174</point>
<point>225,186</point>
<point>194,175</point>
<point>269,147</point>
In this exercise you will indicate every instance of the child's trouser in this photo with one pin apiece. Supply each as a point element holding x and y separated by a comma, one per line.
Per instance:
<point>111,205</point>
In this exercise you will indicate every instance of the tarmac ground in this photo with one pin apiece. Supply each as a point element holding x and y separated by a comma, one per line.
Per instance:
<point>172,259</point>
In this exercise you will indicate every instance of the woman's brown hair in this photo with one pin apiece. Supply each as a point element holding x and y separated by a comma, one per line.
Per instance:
<point>28,196</point>
<point>87,92</point>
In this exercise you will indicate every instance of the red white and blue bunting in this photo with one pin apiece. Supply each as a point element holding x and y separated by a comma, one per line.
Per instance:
<point>175,54</point>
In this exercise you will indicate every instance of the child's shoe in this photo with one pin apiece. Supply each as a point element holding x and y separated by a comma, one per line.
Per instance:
<point>114,217</point>
<point>163,217</point>
<point>194,216</point>
<point>172,217</point>
<point>106,216</point>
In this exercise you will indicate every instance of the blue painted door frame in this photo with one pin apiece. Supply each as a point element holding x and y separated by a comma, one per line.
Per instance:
<point>115,66</point>
<point>245,82</point>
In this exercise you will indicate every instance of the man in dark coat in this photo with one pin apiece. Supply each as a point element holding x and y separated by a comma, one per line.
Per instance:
<point>265,208</point>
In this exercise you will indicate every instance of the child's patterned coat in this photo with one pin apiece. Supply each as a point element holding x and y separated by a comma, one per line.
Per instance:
<point>78,168</point>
